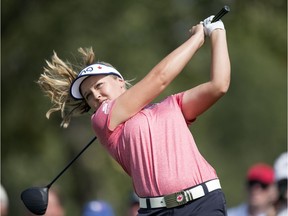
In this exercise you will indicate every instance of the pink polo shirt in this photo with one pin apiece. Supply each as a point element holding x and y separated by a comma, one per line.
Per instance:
<point>155,147</point>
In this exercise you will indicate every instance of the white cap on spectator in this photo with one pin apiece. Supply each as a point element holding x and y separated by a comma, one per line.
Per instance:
<point>281,167</point>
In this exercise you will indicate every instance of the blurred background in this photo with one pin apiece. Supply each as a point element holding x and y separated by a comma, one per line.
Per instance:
<point>246,126</point>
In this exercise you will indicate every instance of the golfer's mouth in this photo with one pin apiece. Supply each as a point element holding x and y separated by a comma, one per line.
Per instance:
<point>99,103</point>
<point>102,101</point>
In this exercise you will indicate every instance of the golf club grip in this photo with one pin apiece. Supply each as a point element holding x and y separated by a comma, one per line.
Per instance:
<point>221,13</point>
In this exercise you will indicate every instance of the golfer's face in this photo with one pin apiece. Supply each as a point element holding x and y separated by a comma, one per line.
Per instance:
<point>97,89</point>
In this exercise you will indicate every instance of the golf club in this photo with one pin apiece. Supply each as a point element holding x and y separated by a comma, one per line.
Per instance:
<point>221,13</point>
<point>36,198</point>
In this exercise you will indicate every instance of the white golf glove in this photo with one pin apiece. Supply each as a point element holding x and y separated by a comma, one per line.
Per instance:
<point>210,27</point>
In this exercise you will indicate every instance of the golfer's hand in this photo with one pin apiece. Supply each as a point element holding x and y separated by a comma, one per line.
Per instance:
<point>198,30</point>
<point>210,27</point>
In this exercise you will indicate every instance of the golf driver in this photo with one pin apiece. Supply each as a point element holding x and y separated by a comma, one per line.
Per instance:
<point>36,198</point>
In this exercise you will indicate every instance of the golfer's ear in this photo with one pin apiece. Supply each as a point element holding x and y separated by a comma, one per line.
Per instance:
<point>121,81</point>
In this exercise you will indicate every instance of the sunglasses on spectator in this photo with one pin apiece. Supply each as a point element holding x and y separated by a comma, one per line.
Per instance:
<point>257,183</point>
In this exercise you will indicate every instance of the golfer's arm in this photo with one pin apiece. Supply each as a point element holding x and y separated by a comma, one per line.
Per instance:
<point>220,63</point>
<point>200,98</point>
<point>146,90</point>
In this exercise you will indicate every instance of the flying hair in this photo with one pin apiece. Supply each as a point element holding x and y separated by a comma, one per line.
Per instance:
<point>55,82</point>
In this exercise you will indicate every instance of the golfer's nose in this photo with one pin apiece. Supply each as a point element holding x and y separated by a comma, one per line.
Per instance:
<point>98,97</point>
<point>96,94</point>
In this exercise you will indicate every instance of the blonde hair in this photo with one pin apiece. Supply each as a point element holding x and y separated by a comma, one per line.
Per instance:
<point>55,82</point>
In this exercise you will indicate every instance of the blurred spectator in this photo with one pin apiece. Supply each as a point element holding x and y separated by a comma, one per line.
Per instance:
<point>4,201</point>
<point>281,176</point>
<point>55,204</point>
<point>261,193</point>
<point>98,208</point>
<point>134,205</point>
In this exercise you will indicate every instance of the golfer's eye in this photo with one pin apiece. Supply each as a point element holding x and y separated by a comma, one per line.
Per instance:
<point>87,96</point>
<point>98,85</point>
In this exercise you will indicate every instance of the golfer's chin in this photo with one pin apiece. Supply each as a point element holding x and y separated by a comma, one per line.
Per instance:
<point>96,106</point>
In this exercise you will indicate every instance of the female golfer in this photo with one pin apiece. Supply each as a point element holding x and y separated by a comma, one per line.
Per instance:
<point>152,142</point>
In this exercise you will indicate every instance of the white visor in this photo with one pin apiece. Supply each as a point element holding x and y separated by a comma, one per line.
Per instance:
<point>91,70</point>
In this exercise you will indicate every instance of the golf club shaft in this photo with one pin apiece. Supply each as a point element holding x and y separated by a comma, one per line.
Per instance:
<point>72,161</point>
<point>221,13</point>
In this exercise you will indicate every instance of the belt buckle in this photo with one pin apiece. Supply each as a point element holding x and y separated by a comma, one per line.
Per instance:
<point>175,199</point>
